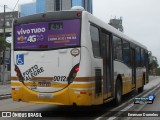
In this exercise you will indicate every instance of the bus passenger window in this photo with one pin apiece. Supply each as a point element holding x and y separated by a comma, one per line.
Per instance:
<point>142,58</point>
<point>94,32</point>
<point>117,45</point>
<point>126,53</point>
<point>138,57</point>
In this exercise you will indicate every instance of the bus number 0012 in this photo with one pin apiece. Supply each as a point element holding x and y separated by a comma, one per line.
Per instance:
<point>59,78</point>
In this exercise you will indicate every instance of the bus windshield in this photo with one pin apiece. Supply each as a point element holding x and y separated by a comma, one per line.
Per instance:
<point>49,35</point>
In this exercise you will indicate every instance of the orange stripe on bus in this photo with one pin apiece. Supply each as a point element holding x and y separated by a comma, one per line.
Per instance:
<point>14,78</point>
<point>36,78</point>
<point>84,79</point>
<point>78,79</point>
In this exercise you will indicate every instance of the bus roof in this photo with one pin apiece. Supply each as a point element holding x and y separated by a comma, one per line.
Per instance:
<point>49,16</point>
<point>111,29</point>
<point>73,14</point>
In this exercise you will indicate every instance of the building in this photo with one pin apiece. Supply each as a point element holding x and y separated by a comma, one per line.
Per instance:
<point>9,16</point>
<point>5,56</point>
<point>42,6</point>
<point>86,4</point>
<point>27,9</point>
<point>5,69</point>
<point>116,23</point>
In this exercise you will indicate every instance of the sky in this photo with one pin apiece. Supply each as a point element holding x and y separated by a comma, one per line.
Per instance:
<point>141,18</point>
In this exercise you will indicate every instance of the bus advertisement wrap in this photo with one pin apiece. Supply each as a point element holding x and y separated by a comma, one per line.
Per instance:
<point>54,34</point>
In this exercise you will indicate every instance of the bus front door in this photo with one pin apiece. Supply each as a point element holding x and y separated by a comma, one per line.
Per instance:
<point>107,64</point>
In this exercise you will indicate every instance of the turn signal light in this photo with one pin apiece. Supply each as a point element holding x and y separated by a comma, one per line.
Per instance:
<point>77,69</point>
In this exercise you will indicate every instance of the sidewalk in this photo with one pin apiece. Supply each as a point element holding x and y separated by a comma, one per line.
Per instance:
<point>5,89</point>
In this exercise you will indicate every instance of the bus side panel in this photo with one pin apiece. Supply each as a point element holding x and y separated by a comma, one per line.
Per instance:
<point>139,77</point>
<point>82,89</point>
<point>16,90</point>
<point>126,74</point>
<point>97,73</point>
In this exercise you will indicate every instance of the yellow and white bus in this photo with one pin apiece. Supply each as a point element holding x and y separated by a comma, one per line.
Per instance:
<point>73,58</point>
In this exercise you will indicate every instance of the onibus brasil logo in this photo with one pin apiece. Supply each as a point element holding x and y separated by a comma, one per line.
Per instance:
<point>145,100</point>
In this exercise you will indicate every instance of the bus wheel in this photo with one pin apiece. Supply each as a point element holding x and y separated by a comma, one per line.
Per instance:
<point>118,93</point>
<point>140,90</point>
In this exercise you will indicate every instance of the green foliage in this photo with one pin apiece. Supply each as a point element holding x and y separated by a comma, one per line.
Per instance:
<point>3,44</point>
<point>154,66</point>
<point>158,71</point>
<point>8,44</point>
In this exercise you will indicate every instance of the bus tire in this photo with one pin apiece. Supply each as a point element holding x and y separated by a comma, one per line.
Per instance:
<point>140,90</point>
<point>118,93</point>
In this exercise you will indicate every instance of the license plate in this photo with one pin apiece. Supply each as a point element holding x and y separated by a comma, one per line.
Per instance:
<point>45,95</point>
<point>44,84</point>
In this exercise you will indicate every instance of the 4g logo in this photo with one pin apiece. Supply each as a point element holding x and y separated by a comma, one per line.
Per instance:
<point>32,38</point>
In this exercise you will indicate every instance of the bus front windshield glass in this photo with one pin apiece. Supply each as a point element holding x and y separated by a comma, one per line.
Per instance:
<point>49,35</point>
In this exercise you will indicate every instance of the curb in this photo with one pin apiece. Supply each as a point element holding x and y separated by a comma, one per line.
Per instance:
<point>6,96</point>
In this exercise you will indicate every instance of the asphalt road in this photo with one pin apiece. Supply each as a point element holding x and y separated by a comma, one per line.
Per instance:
<point>153,109</point>
<point>58,112</point>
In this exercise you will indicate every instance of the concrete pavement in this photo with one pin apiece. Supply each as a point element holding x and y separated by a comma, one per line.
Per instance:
<point>5,89</point>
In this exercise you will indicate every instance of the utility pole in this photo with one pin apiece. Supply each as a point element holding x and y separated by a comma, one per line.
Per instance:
<point>4,28</point>
<point>4,35</point>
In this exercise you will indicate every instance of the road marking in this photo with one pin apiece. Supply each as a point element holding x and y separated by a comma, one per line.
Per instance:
<point>129,106</point>
<point>111,118</point>
<point>141,107</point>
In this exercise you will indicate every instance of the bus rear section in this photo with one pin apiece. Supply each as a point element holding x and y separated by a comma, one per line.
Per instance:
<point>46,60</point>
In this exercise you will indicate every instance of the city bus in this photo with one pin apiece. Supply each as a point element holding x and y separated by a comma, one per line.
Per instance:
<point>73,58</point>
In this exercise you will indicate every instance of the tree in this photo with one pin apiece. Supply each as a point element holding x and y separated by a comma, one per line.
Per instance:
<point>153,64</point>
<point>3,45</point>
<point>158,71</point>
